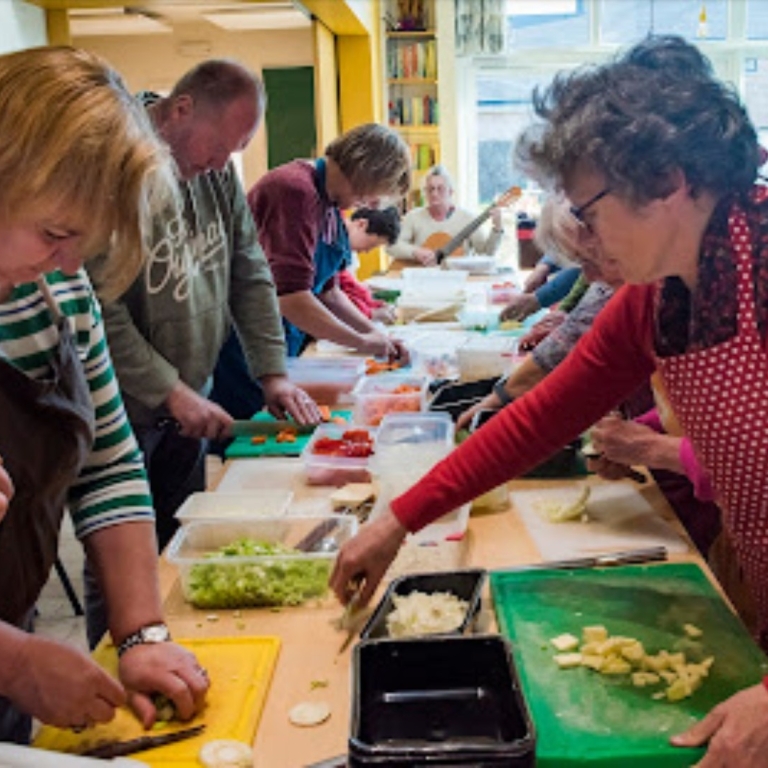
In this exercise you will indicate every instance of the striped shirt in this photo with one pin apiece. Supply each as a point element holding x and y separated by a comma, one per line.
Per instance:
<point>112,486</point>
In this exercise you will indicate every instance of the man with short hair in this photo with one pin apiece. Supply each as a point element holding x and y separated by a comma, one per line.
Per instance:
<point>297,208</point>
<point>205,271</point>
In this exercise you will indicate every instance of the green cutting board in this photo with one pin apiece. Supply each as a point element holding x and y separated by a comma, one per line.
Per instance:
<point>243,448</point>
<point>583,718</point>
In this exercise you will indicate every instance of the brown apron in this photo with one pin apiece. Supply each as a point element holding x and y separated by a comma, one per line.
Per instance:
<point>46,434</point>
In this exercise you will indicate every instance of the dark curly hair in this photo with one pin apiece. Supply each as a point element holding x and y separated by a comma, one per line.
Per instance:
<point>382,222</point>
<point>637,120</point>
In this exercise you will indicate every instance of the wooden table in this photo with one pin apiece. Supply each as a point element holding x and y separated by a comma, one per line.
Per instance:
<point>310,641</point>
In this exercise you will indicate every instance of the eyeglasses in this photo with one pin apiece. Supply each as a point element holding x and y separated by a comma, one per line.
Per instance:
<point>578,211</point>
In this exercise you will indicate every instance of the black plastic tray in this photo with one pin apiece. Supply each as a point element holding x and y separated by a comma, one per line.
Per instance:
<point>466,585</point>
<point>456,398</point>
<point>444,701</point>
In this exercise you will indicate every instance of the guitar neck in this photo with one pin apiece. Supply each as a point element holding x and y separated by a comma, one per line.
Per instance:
<point>455,242</point>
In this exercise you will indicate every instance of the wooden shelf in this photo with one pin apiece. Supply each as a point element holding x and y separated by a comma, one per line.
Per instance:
<point>429,128</point>
<point>412,80</point>
<point>423,34</point>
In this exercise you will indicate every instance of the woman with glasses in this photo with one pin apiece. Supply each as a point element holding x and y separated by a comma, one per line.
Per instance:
<point>659,161</point>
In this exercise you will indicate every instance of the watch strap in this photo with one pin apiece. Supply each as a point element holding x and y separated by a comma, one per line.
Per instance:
<point>147,635</point>
<point>499,389</point>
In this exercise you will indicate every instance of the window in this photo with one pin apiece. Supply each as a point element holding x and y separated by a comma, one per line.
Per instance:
<point>546,36</point>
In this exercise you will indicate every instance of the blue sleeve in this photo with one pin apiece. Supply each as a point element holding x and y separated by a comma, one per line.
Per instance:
<point>557,287</point>
<point>551,262</point>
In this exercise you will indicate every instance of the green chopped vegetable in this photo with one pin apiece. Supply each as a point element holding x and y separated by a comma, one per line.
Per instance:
<point>268,582</point>
<point>166,709</point>
<point>318,684</point>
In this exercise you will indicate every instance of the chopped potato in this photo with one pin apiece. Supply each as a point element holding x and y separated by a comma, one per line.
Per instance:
<point>620,655</point>
<point>692,630</point>
<point>568,660</point>
<point>565,642</point>
<point>594,634</point>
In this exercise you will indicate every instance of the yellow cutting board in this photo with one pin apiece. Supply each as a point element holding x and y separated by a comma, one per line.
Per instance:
<point>240,670</point>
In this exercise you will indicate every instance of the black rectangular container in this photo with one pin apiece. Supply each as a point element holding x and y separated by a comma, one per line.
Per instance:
<point>438,701</point>
<point>457,398</point>
<point>466,585</point>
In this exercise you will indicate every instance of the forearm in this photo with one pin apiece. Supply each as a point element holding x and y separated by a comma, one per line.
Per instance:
<point>124,558</point>
<point>11,642</point>
<point>344,309</point>
<point>402,250</point>
<point>525,377</point>
<point>310,315</point>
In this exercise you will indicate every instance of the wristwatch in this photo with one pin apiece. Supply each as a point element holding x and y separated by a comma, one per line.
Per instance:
<point>499,389</point>
<point>152,633</point>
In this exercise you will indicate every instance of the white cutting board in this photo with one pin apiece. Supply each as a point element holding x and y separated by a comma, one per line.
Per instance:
<point>619,518</point>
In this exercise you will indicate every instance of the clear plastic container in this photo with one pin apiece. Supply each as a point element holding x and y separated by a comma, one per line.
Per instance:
<point>376,396</point>
<point>407,447</point>
<point>210,579</point>
<point>327,381</point>
<point>433,280</point>
<point>325,469</point>
<point>487,356</point>
<point>237,506</point>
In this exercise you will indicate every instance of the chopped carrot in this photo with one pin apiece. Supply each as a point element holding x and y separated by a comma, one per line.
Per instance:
<point>286,436</point>
<point>259,439</point>
<point>338,420</point>
<point>325,412</point>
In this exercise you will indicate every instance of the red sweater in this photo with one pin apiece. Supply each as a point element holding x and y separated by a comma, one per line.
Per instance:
<point>606,366</point>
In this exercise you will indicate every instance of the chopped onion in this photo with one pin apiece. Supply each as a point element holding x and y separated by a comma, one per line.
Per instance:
<point>226,753</point>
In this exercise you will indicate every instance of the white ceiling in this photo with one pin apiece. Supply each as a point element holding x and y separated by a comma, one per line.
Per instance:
<point>143,20</point>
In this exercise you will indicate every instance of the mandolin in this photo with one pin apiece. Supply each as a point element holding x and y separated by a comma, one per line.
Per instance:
<point>444,245</point>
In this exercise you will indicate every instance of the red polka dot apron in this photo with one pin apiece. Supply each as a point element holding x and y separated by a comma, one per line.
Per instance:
<point>720,396</point>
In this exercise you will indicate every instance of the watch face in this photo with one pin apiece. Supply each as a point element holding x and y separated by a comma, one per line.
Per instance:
<point>156,634</point>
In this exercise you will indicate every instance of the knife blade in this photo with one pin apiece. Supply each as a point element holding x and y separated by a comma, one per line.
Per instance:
<point>130,746</point>
<point>348,620</point>
<point>248,428</point>
<point>646,555</point>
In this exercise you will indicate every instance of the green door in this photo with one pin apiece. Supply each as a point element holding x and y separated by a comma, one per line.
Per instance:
<point>290,118</point>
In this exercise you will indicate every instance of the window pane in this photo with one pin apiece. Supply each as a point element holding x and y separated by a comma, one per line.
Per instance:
<point>504,109</point>
<point>623,22</point>
<point>757,20</point>
<point>756,91</point>
<point>548,30</point>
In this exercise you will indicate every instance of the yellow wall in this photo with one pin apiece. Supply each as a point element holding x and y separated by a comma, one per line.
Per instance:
<point>155,62</point>
<point>326,86</point>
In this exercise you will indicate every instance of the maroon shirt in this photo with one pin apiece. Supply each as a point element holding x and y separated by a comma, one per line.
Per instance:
<point>289,214</point>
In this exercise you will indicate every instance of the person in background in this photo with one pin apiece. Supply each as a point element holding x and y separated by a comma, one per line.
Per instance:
<point>440,220</point>
<point>297,209</point>
<point>555,317</point>
<point>659,160</point>
<point>369,228</point>
<point>557,231</point>
<point>205,271</point>
<point>551,279</point>
<point>80,168</point>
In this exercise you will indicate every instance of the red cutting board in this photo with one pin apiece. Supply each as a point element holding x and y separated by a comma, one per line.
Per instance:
<point>240,670</point>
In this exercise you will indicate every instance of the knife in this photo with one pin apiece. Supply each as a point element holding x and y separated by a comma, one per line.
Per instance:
<point>348,618</point>
<point>129,746</point>
<point>647,555</point>
<point>248,428</point>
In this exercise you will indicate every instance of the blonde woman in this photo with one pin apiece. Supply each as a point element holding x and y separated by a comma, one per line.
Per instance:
<point>79,168</point>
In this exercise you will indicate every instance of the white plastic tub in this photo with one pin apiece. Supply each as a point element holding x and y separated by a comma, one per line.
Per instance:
<point>234,506</point>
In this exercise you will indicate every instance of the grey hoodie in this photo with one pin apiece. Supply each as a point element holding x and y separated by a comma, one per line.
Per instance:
<point>205,269</point>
